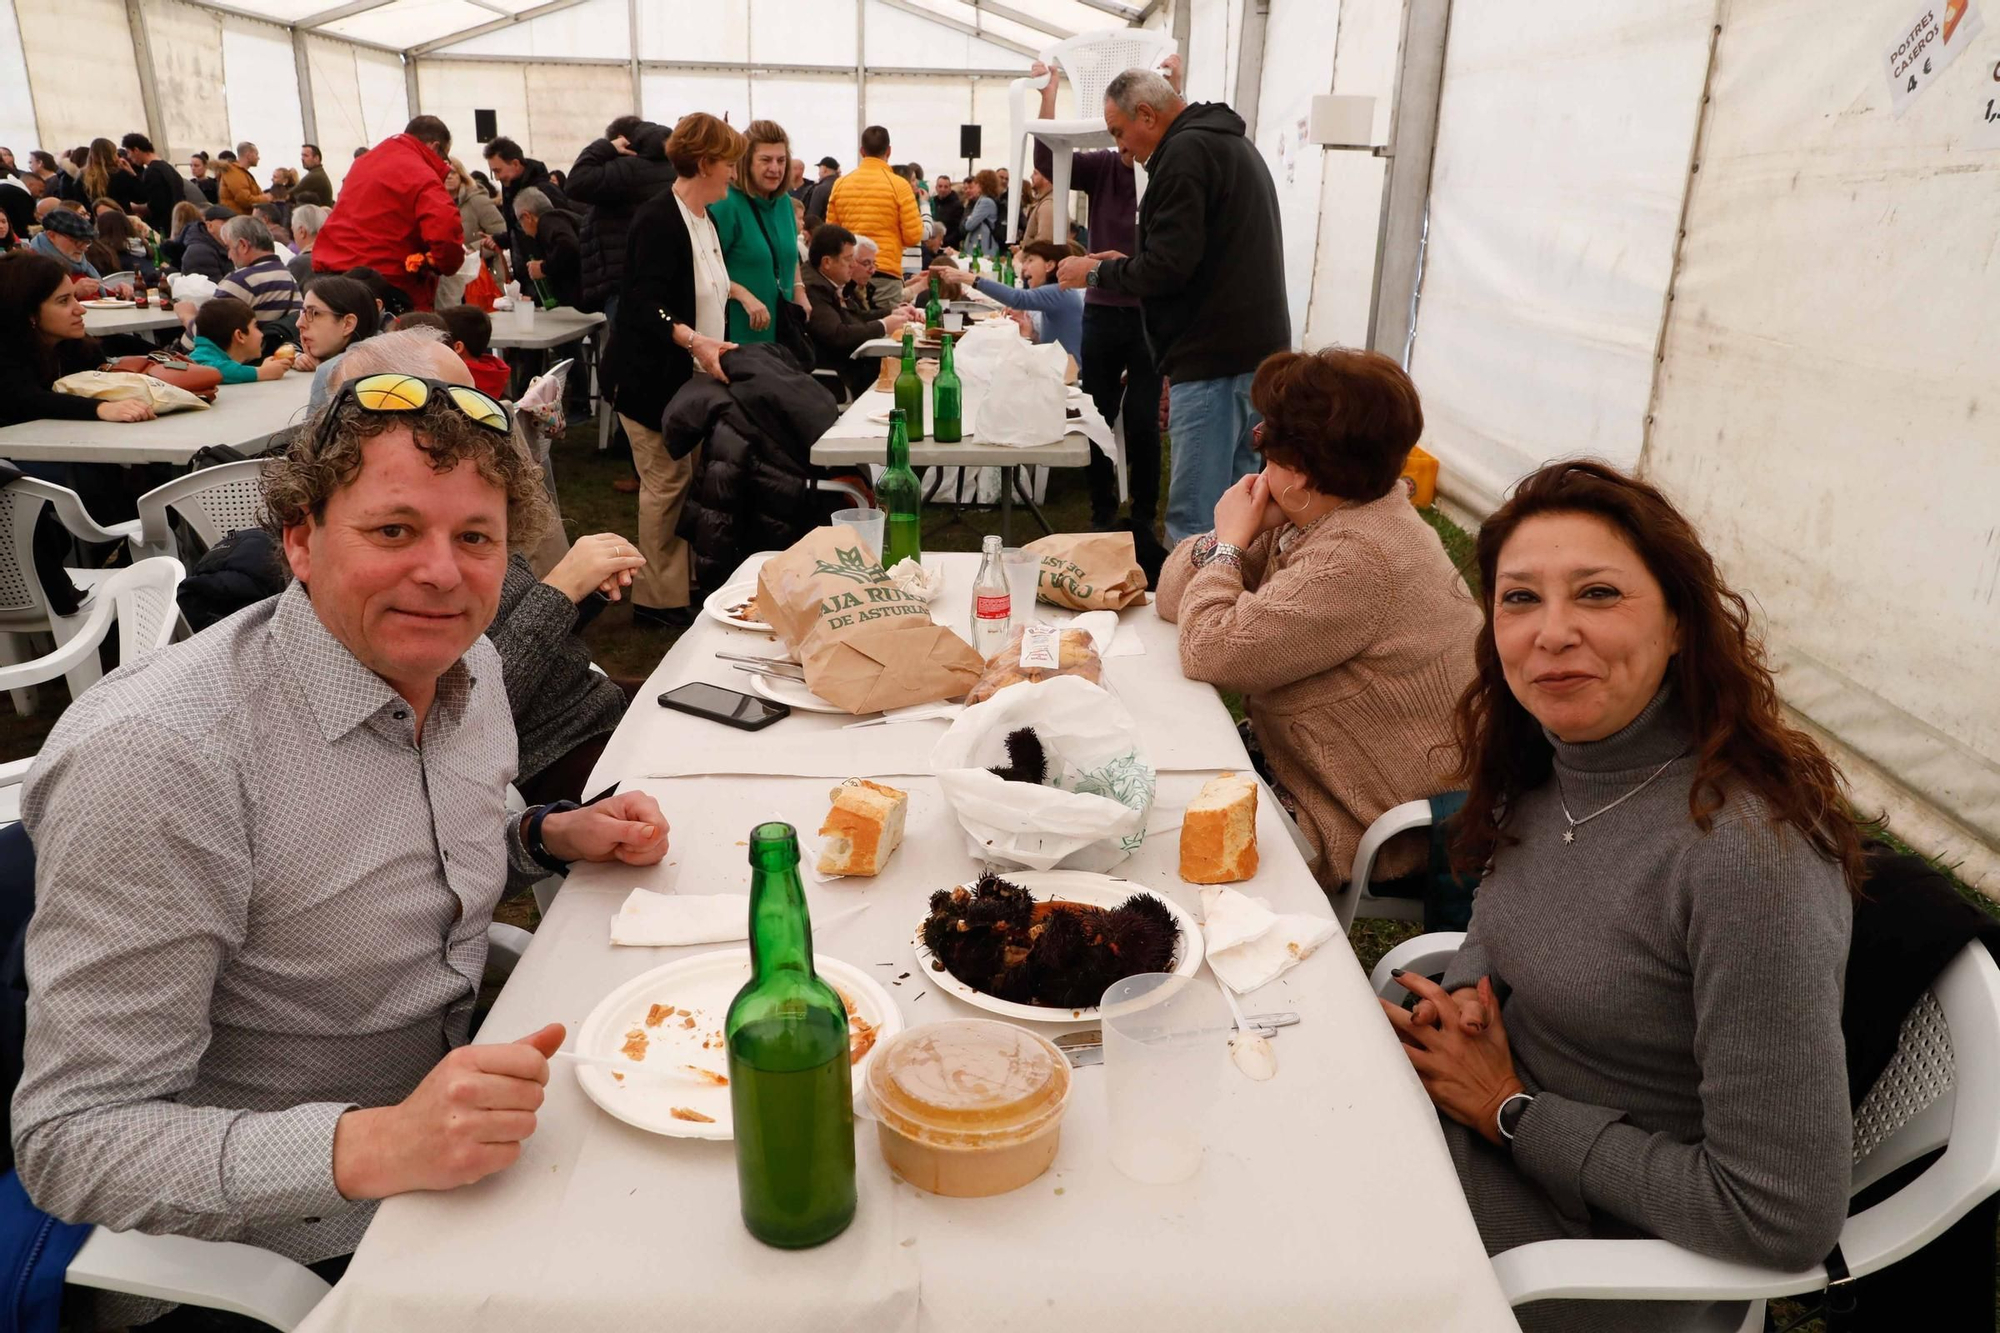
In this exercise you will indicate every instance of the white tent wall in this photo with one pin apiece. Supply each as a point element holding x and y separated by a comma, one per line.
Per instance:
<point>186,45</point>
<point>261,82</point>
<point>1830,398</point>
<point>669,94</point>
<point>1564,136</point>
<point>600,28</point>
<point>452,90</point>
<point>359,99</point>
<point>82,71</point>
<point>17,104</point>
<point>817,112</point>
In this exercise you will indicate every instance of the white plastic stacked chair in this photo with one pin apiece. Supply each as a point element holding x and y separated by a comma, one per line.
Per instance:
<point>1090,60</point>
<point>1940,1090</point>
<point>1355,900</point>
<point>213,503</point>
<point>24,607</point>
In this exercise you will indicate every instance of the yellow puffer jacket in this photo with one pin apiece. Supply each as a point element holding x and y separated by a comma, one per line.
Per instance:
<point>873,201</point>
<point>236,188</point>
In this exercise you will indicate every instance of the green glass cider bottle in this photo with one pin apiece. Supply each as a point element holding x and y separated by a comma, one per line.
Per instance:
<point>934,308</point>
<point>901,498</point>
<point>910,389</point>
<point>947,399</point>
<point>790,1075</point>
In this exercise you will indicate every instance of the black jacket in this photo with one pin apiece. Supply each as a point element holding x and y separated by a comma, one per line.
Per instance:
<point>243,568</point>
<point>555,244</point>
<point>25,394</point>
<point>534,176</point>
<point>949,210</point>
<point>164,188</point>
<point>753,490</point>
<point>1209,263</point>
<point>822,195</point>
<point>646,366</point>
<point>614,185</point>
<point>201,252</point>
<point>837,324</point>
<point>19,206</point>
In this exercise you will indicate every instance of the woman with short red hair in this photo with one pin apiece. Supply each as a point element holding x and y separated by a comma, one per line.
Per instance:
<point>1326,599</point>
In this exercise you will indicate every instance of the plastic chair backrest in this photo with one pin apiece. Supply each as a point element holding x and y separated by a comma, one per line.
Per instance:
<point>1092,60</point>
<point>20,590</point>
<point>214,502</point>
<point>148,611</point>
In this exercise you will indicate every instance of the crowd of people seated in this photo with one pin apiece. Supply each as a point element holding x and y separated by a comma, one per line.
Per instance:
<point>1605,1053</point>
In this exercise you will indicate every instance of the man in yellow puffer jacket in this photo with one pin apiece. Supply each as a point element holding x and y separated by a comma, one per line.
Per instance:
<point>873,201</point>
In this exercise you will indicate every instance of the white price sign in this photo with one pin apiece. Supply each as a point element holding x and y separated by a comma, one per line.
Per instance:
<point>1927,44</point>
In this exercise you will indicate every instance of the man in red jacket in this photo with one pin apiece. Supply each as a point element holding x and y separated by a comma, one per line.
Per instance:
<point>393,205</point>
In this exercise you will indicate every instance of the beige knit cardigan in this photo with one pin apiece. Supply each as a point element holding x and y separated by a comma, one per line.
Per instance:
<point>1353,647</point>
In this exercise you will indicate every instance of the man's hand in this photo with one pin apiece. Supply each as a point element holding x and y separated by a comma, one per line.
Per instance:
<point>1172,68</point>
<point>535,268</point>
<point>465,1121</point>
<point>88,289</point>
<point>1075,271</point>
<point>602,562</point>
<point>892,324</point>
<point>1036,71</point>
<point>627,827</point>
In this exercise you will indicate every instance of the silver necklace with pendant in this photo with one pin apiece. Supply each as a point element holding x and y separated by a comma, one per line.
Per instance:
<point>1569,834</point>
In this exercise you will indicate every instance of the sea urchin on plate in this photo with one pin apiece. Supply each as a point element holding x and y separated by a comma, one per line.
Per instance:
<point>996,938</point>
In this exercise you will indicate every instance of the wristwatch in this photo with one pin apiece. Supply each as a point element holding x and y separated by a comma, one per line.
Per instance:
<point>531,837</point>
<point>1208,548</point>
<point>1508,1118</point>
<point>1090,278</point>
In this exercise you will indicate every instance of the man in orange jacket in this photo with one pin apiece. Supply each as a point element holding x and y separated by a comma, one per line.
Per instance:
<point>873,201</point>
<point>393,210</point>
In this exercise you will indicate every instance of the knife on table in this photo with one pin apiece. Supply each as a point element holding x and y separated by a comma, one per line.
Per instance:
<point>1086,1045</point>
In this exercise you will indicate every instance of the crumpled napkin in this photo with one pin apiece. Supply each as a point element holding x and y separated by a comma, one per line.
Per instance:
<point>916,581</point>
<point>666,919</point>
<point>1249,945</point>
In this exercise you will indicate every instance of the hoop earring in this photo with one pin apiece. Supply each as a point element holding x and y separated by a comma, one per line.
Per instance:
<point>1284,501</point>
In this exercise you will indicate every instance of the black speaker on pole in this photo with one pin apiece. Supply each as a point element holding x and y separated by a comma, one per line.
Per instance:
<point>485,126</point>
<point>968,141</point>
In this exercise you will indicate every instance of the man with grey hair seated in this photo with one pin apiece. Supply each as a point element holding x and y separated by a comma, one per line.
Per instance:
<point>879,295</point>
<point>307,219</point>
<point>1207,267</point>
<point>260,279</point>
<point>554,252</point>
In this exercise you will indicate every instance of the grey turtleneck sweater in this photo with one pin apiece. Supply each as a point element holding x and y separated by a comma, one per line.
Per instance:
<point>1672,997</point>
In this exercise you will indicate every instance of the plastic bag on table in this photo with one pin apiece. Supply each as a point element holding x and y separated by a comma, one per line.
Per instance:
<point>1036,653</point>
<point>1024,401</point>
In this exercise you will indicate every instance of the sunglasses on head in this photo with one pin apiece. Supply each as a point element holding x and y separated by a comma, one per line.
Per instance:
<point>392,393</point>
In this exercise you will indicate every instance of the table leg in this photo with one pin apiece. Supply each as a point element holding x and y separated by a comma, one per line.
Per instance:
<point>1018,477</point>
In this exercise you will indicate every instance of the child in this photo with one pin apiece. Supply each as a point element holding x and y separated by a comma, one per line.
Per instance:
<point>472,338</point>
<point>226,337</point>
<point>421,319</point>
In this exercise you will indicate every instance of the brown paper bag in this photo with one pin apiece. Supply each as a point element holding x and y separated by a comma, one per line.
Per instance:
<point>1090,571</point>
<point>866,645</point>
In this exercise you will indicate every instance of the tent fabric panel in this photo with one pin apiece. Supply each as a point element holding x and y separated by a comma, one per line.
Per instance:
<point>1825,408</point>
<point>452,90</point>
<point>407,23</point>
<point>17,103</point>
<point>897,37</point>
<point>598,28</point>
<point>186,42</point>
<point>1343,273</point>
<point>1564,136</point>
<point>337,104</point>
<point>818,114</point>
<point>1298,65</point>
<point>385,96</point>
<point>569,106</point>
<point>1206,79</point>
<point>82,70</point>
<point>922,116</point>
<point>669,94</point>
<point>801,32</point>
<point>261,83</point>
<point>681,30</point>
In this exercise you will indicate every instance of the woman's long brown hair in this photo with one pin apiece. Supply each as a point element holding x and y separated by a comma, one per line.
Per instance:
<point>1720,679</point>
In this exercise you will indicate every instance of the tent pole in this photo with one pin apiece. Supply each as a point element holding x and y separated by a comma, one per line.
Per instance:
<point>410,85</point>
<point>638,87</point>
<point>308,113</point>
<point>1406,186</point>
<point>1250,65</point>
<point>149,87</point>
<point>860,68</point>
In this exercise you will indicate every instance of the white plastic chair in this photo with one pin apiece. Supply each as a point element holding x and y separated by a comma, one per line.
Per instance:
<point>213,502</point>
<point>1355,900</point>
<point>1940,1090</point>
<point>24,608</point>
<point>1091,60</point>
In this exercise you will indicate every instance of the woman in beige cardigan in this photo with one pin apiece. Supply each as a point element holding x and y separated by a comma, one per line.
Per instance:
<point>1325,598</point>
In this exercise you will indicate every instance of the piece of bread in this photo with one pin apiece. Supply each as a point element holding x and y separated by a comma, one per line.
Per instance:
<point>863,829</point>
<point>1219,834</point>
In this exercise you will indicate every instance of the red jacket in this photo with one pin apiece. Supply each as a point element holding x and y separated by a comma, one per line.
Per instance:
<point>393,204</point>
<point>490,373</point>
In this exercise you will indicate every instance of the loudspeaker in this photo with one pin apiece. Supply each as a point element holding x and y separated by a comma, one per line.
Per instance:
<point>485,126</point>
<point>968,141</point>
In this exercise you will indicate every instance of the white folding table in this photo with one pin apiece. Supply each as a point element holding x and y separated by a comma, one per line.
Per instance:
<point>244,417</point>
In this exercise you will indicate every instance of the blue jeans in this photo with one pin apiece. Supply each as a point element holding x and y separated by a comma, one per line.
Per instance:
<point>1210,423</point>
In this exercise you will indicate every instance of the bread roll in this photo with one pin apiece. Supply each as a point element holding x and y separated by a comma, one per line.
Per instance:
<point>863,829</point>
<point>1219,835</point>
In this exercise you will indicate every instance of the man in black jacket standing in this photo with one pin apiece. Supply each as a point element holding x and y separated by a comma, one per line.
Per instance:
<point>612,177</point>
<point>1208,269</point>
<point>515,174</point>
<point>163,185</point>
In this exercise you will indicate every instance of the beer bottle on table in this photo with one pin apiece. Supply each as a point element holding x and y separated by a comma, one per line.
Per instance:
<point>543,296</point>
<point>790,1077</point>
<point>947,399</point>
<point>910,389</point>
<point>934,309</point>
<point>901,499</point>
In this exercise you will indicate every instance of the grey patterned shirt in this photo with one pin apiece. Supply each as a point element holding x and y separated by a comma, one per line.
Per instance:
<point>259,903</point>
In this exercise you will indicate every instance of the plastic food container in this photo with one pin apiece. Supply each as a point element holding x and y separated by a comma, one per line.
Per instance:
<point>969,1107</point>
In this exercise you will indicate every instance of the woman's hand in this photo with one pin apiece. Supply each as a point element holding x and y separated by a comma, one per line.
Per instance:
<point>305,361</point>
<point>125,409</point>
<point>602,562</point>
<point>1466,1009</point>
<point>1246,511</point>
<point>759,313</point>
<point>707,353</point>
<point>1467,1077</point>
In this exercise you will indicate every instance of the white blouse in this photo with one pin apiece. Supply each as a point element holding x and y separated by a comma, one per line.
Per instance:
<point>711,273</point>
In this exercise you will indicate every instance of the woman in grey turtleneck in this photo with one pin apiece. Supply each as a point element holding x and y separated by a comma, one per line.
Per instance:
<point>1641,1035</point>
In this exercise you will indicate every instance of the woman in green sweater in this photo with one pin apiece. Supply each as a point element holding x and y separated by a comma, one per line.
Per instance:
<point>1641,1034</point>
<point>759,235</point>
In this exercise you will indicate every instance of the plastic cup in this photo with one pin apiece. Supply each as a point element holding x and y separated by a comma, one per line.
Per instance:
<point>868,522</point>
<point>1024,576</point>
<point>1166,1054</point>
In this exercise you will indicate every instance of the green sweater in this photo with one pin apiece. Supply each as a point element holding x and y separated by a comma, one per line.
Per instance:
<point>206,353</point>
<point>760,245</point>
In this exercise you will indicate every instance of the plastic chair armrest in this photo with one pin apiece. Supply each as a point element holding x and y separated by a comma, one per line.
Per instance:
<point>217,1275</point>
<point>1426,955</point>
<point>1637,1270</point>
<point>505,944</point>
<point>81,646</point>
<point>1397,819</point>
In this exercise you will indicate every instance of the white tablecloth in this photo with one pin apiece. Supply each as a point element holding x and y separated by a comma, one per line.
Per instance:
<point>243,417</point>
<point>660,741</point>
<point>1330,1204</point>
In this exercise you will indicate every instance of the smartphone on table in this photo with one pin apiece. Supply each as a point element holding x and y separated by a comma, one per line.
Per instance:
<point>745,712</point>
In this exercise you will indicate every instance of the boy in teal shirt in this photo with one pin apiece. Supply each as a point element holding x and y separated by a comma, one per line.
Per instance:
<point>226,338</point>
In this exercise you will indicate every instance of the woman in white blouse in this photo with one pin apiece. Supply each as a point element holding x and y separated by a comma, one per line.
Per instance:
<point>670,327</point>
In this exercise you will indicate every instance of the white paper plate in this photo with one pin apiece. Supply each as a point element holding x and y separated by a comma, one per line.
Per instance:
<point>1076,886</point>
<point>704,985</point>
<point>717,605</point>
<point>793,692</point>
<point>108,303</point>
